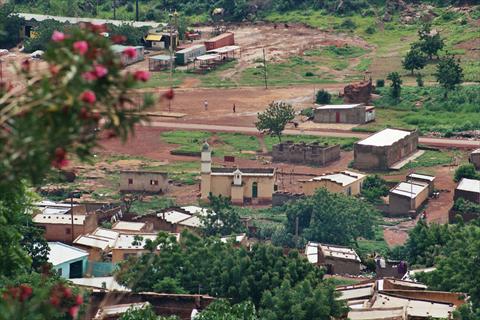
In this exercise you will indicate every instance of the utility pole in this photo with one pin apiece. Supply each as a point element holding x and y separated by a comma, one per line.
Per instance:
<point>114,10</point>
<point>265,68</point>
<point>71,215</point>
<point>136,10</point>
<point>173,15</point>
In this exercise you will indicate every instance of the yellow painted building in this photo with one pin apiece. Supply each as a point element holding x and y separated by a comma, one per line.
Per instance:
<point>242,185</point>
<point>346,182</point>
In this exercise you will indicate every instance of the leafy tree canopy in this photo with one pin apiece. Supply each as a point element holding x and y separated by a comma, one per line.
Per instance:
<point>396,85</point>
<point>223,219</point>
<point>449,73</point>
<point>275,118</point>
<point>465,171</point>
<point>331,218</point>
<point>414,60</point>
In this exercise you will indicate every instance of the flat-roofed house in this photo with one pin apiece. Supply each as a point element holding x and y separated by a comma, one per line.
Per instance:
<point>406,197</point>
<point>68,261</point>
<point>58,227</point>
<point>132,227</point>
<point>468,189</point>
<point>127,246</point>
<point>143,181</point>
<point>384,149</point>
<point>98,243</point>
<point>336,259</point>
<point>346,182</point>
<point>423,178</point>
<point>474,158</point>
<point>242,185</point>
<point>344,113</point>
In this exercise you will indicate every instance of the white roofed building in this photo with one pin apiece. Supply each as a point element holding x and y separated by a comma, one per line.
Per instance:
<point>336,259</point>
<point>68,261</point>
<point>407,197</point>
<point>468,189</point>
<point>384,149</point>
<point>346,182</point>
<point>344,113</point>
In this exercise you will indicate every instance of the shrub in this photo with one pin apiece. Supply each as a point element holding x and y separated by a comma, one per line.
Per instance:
<point>370,30</point>
<point>309,74</point>
<point>130,7</point>
<point>307,112</point>
<point>465,171</point>
<point>380,83</point>
<point>323,97</point>
<point>348,24</point>
<point>419,80</point>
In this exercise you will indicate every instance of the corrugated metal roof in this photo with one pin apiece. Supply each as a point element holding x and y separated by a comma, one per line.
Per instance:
<point>344,178</point>
<point>173,216</point>
<point>421,176</point>
<point>130,226</point>
<point>154,37</point>
<point>162,57</point>
<point>59,219</point>
<point>415,308</point>
<point>311,251</point>
<point>377,314</point>
<point>471,185</point>
<point>97,282</point>
<point>409,189</point>
<point>93,241</point>
<point>339,106</point>
<point>62,253</point>
<point>386,137</point>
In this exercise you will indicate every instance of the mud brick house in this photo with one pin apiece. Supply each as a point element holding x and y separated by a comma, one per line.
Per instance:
<point>143,181</point>
<point>475,158</point>
<point>346,182</point>
<point>336,259</point>
<point>407,197</point>
<point>344,113</point>
<point>468,189</point>
<point>132,227</point>
<point>383,149</point>
<point>59,227</point>
<point>423,178</point>
<point>98,243</point>
<point>308,154</point>
<point>242,185</point>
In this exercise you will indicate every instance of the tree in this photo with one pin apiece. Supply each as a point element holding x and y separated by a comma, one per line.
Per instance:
<point>323,97</point>
<point>145,313</point>
<point>43,34</point>
<point>10,24</point>
<point>429,43</point>
<point>275,118</point>
<point>465,171</point>
<point>414,60</point>
<point>374,187</point>
<point>449,73</point>
<point>219,269</point>
<point>222,219</point>
<point>396,84</point>
<point>223,310</point>
<point>331,218</point>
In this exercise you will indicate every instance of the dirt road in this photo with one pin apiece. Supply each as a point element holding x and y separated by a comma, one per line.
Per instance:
<point>437,142</point>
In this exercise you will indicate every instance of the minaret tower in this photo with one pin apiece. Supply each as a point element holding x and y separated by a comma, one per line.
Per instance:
<point>206,170</point>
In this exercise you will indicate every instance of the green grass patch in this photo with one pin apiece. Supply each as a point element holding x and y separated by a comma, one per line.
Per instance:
<point>184,172</point>
<point>375,245</point>
<point>152,204</point>
<point>431,159</point>
<point>346,51</point>
<point>340,65</point>
<point>233,144</point>
<point>345,143</point>
<point>364,64</point>
<point>427,109</point>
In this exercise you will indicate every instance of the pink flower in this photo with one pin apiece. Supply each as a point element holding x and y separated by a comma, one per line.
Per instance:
<point>142,76</point>
<point>130,52</point>
<point>89,76</point>
<point>78,300</point>
<point>73,311</point>
<point>58,36</point>
<point>81,47</point>
<point>88,96</point>
<point>100,71</point>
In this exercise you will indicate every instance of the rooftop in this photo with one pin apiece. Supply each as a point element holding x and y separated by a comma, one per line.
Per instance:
<point>93,241</point>
<point>62,253</point>
<point>471,185</point>
<point>220,36</point>
<point>386,137</point>
<point>196,210</point>
<point>415,308</point>
<point>59,219</point>
<point>254,172</point>
<point>339,106</point>
<point>344,178</point>
<point>409,189</point>
<point>376,314</point>
<point>162,57</point>
<point>329,251</point>
<point>476,151</point>
<point>128,226</point>
<point>143,172</point>
<point>173,216</point>
<point>125,241</point>
<point>225,49</point>
<point>107,283</point>
<point>421,176</point>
